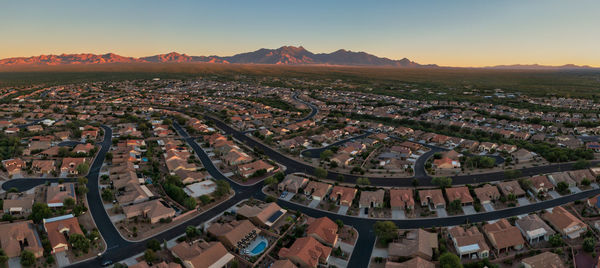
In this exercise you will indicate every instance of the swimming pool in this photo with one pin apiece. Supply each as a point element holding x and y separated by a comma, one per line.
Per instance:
<point>260,244</point>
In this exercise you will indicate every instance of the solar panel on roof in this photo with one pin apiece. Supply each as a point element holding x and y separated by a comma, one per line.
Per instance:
<point>275,216</point>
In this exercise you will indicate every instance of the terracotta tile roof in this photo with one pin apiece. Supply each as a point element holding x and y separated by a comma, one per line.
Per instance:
<point>346,194</point>
<point>416,262</point>
<point>324,229</point>
<point>56,226</point>
<point>307,250</point>
<point>503,235</point>
<point>544,260</point>
<point>401,198</point>
<point>13,234</point>
<point>459,193</point>
<point>487,193</point>
<point>561,219</point>
<point>202,254</point>
<point>416,243</point>
<point>368,197</point>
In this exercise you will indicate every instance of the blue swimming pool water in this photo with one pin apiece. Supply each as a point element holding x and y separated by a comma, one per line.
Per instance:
<point>144,159</point>
<point>259,248</point>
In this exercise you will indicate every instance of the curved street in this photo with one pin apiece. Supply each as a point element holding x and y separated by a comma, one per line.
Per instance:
<point>118,248</point>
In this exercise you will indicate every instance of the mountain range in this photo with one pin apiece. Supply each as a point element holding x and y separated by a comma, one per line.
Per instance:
<point>285,55</point>
<point>288,55</point>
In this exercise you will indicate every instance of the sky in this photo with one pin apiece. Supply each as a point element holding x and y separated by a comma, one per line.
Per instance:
<point>449,33</point>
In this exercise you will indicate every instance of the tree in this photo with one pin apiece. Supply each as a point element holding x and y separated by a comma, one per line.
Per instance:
<point>190,202</point>
<point>586,182</point>
<point>512,174</point>
<point>320,173</point>
<point>107,195</point>
<point>449,260</point>
<point>149,255</point>
<point>223,188</point>
<point>442,181</point>
<point>191,231</point>
<point>589,244</point>
<point>581,164</point>
<point>326,155</point>
<point>40,211</point>
<point>69,202</point>
<point>204,199</point>
<point>556,240</point>
<point>83,168</point>
<point>27,258</point>
<point>562,187</point>
<point>3,258</point>
<point>363,181</point>
<point>279,176</point>
<point>271,180</point>
<point>386,231</point>
<point>153,244</point>
<point>455,205</point>
<point>339,223</point>
<point>79,242</point>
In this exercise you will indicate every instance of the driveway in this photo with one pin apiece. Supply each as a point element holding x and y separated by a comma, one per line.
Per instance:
<point>61,259</point>
<point>314,203</point>
<point>523,201</point>
<point>575,189</point>
<point>441,212</point>
<point>337,262</point>
<point>14,262</point>
<point>553,194</point>
<point>288,196</point>
<point>361,213</point>
<point>398,214</point>
<point>594,185</point>
<point>117,218</point>
<point>469,210</point>
<point>488,207</point>
<point>343,210</point>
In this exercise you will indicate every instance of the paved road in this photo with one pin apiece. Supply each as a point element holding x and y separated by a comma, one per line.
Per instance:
<point>316,152</point>
<point>424,180</point>
<point>119,248</point>
<point>314,109</point>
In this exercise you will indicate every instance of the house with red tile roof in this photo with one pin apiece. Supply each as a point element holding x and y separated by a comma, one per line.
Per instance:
<point>371,199</point>
<point>343,195</point>
<point>249,169</point>
<point>69,164</point>
<point>324,230</point>
<point>306,252</point>
<point>56,194</point>
<point>567,224</point>
<point>292,183</point>
<point>459,193</point>
<point>541,184</point>
<point>487,193</point>
<point>262,215</point>
<point>402,199</point>
<point>504,236</point>
<point>200,254</point>
<point>469,242</point>
<point>432,197</point>
<point>153,210</point>
<point>19,236</point>
<point>416,243</point>
<point>59,229</point>
<point>318,190</point>
<point>14,166</point>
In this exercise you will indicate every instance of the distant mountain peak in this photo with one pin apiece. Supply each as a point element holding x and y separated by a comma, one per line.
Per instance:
<point>287,55</point>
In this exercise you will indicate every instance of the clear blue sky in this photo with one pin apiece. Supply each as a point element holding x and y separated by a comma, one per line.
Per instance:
<point>456,33</point>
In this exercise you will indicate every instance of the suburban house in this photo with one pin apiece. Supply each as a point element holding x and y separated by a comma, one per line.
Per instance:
<point>459,193</point>
<point>18,204</point>
<point>469,242</point>
<point>445,163</point>
<point>59,229</point>
<point>324,230</point>
<point>202,254</point>
<point>43,166</point>
<point>153,210</point>
<point>14,166</point>
<point>402,199</point>
<point>534,229</point>
<point>306,252</point>
<point>343,195</point>
<point>262,215</point>
<point>541,184</point>
<point>19,236</point>
<point>70,164</point>
<point>292,183</point>
<point>58,193</point>
<point>582,174</point>
<point>522,156</point>
<point>543,260</point>
<point>511,187</point>
<point>487,193</point>
<point>566,223</point>
<point>318,190</point>
<point>371,199</point>
<point>433,197</point>
<point>558,177</point>
<point>416,243</point>
<point>414,262</point>
<point>233,234</point>
<point>503,236</point>
<point>249,169</point>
